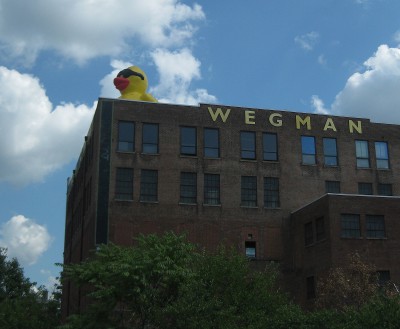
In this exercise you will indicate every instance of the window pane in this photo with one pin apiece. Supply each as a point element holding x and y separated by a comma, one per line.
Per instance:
<point>308,150</point>
<point>350,226</point>
<point>211,189</point>
<point>382,155</point>
<point>188,187</point>
<point>365,188</point>
<point>270,147</point>
<point>248,144</point>
<point>332,186</point>
<point>362,154</point>
<point>250,248</point>
<point>188,141</point>
<point>211,143</point>
<point>375,226</point>
<point>148,185</point>
<point>385,189</point>
<point>124,184</point>
<point>249,191</point>
<point>330,152</point>
<point>271,192</point>
<point>126,136</point>
<point>150,138</point>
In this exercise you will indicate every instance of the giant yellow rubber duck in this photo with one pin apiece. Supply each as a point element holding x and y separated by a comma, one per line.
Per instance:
<point>132,84</point>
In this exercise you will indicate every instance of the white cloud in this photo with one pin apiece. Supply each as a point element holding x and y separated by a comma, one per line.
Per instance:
<point>374,93</point>
<point>36,139</point>
<point>24,239</point>
<point>83,29</point>
<point>318,105</point>
<point>307,41</point>
<point>177,70</point>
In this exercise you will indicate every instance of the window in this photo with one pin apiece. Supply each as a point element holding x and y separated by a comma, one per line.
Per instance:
<point>188,187</point>
<point>310,285</point>
<point>385,189</point>
<point>365,188</point>
<point>211,143</point>
<point>362,154</point>
<point>330,152</point>
<point>382,155</point>
<point>124,184</point>
<point>375,225</point>
<point>250,249</point>
<point>383,277</point>
<point>308,150</point>
<point>188,141</point>
<point>350,226</point>
<point>211,189</point>
<point>320,229</point>
<point>248,144</point>
<point>308,234</point>
<point>150,138</point>
<point>332,186</point>
<point>271,192</point>
<point>249,191</point>
<point>148,185</point>
<point>270,147</point>
<point>126,136</point>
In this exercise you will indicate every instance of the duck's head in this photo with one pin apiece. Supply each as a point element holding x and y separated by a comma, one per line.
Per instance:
<point>132,79</point>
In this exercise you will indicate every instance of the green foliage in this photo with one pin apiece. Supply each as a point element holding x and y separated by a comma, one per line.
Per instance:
<point>22,305</point>
<point>164,282</point>
<point>347,287</point>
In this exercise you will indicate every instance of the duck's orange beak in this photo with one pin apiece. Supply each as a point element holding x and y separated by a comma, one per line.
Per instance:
<point>121,83</point>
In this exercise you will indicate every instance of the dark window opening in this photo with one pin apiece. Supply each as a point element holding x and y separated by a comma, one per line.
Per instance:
<point>124,184</point>
<point>332,186</point>
<point>248,144</point>
<point>211,189</point>
<point>350,226</point>
<point>249,191</point>
<point>150,138</point>
<point>250,249</point>
<point>211,143</point>
<point>149,185</point>
<point>188,141</point>
<point>271,192</point>
<point>375,225</point>
<point>188,187</point>
<point>330,152</point>
<point>126,136</point>
<point>270,147</point>
<point>308,150</point>
<point>365,188</point>
<point>385,189</point>
<point>362,154</point>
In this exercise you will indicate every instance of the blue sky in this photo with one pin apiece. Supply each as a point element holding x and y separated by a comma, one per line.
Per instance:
<point>337,57</point>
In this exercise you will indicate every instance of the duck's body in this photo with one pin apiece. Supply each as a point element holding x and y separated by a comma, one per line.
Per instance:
<point>132,84</point>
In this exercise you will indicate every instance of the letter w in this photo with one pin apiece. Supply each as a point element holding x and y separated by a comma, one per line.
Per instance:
<point>218,112</point>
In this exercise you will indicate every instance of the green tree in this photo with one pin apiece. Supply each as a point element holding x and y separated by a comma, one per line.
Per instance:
<point>130,286</point>
<point>164,282</point>
<point>350,286</point>
<point>22,304</point>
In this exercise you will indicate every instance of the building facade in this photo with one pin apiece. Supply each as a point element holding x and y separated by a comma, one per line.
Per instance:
<point>297,188</point>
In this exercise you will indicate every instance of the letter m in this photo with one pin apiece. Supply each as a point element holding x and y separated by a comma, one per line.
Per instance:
<point>219,113</point>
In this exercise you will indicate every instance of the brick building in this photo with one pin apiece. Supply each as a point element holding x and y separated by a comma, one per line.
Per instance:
<point>297,188</point>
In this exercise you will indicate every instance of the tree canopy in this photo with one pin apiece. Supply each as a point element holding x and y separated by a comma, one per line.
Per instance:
<point>22,304</point>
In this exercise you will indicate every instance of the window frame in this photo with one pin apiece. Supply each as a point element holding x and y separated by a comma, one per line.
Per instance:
<point>248,152</point>
<point>210,149</point>
<point>306,154</point>
<point>123,187</point>
<point>347,229</point>
<point>188,148</point>
<point>362,156</point>
<point>372,230</point>
<point>382,158</point>
<point>270,147</point>
<point>331,185</point>
<point>149,185</point>
<point>365,188</point>
<point>188,185</point>
<point>271,193</point>
<point>248,191</point>
<point>150,145</point>
<point>212,185</point>
<point>327,152</point>
<point>123,138</point>
<point>249,246</point>
<point>385,189</point>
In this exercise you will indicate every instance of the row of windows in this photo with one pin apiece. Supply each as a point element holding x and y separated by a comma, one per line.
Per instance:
<point>188,145</point>
<point>314,231</point>
<point>363,188</point>
<point>188,188</point>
